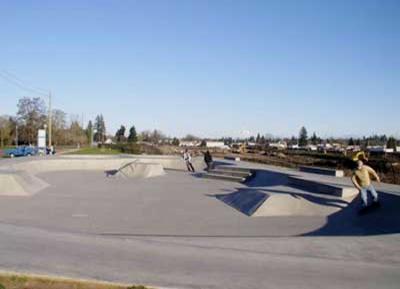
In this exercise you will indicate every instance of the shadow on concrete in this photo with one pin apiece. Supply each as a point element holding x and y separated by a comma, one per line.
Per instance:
<point>346,222</point>
<point>379,221</point>
<point>111,173</point>
<point>266,178</point>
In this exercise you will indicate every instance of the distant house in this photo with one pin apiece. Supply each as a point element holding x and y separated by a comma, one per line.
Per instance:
<point>334,147</point>
<point>216,144</point>
<point>280,145</point>
<point>109,141</point>
<point>353,148</point>
<point>311,147</point>
<point>379,149</point>
<point>184,143</point>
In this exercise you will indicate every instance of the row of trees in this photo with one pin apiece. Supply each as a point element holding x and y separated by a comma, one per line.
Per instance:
<point>32,114</point>
<point>121,138</point>
<point>303,139</point>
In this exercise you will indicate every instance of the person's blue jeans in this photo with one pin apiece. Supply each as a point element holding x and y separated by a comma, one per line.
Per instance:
<point>364,194</point>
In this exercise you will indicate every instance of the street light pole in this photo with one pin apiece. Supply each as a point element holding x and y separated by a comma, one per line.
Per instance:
<point>49,120</point>
<point>16,135</point>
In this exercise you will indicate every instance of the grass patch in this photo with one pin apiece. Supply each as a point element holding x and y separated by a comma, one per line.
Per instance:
<point>95,151</point>
<point>22,281</point>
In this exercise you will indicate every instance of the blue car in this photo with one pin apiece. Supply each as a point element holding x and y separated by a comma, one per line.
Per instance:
<point>21,151</point>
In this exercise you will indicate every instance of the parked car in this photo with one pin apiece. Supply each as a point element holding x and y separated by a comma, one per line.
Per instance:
<point>21,151</point>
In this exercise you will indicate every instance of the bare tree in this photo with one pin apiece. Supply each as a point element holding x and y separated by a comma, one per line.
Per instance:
<point>31,116</point>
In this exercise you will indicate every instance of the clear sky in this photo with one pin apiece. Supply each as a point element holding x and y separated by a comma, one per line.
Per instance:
<point>210,68</point>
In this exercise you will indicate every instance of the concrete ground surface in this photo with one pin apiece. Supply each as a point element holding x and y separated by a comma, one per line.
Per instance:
<point>173,231</point>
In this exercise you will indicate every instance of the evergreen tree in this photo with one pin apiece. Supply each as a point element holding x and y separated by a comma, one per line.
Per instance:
<point>175,141</point>
<point>303,137</point>
<point>100,128</point>
<point>351,142</point>
<point>120,134</point>
<point>89,132</point>
<point>391,143</point>
<point>314,139</point>
<point>132,134</point>
<point>258,138</point>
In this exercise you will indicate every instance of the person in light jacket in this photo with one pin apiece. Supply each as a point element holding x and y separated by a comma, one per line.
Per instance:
<point>188,160</point>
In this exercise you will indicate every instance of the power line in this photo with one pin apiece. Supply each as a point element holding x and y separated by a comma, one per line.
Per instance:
<point>19,83</point>
<point>12,75</point>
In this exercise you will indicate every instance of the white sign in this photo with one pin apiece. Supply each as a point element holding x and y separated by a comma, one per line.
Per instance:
<point>41,138</point>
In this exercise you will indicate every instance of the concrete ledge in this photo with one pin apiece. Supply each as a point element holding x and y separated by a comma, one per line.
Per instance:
<point>232,158</point>
<point>322,187</point>
<point>322,171</point>
<point>243,174</point>
<point>233,168</point>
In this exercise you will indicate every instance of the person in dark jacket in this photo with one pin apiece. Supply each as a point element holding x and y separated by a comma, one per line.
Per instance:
<point>208,160</point>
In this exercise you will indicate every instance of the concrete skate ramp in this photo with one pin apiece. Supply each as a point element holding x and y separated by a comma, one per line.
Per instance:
<point>255,203</point>
<point>18,178</point>
<point>141,170</point>
<point>20,184</point>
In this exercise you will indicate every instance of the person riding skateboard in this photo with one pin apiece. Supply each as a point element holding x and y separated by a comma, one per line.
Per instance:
<point>208,160</point>
<point>188,160</point>
<point>362,181</point>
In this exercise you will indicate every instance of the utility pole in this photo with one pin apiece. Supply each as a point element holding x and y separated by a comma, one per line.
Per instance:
<point>16,135</point>
<point>49,120</point>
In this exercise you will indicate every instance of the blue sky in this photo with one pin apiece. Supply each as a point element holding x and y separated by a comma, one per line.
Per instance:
<point>210,68</point>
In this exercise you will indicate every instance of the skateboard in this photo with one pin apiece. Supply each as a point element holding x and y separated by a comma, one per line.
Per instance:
<point>373,207</point>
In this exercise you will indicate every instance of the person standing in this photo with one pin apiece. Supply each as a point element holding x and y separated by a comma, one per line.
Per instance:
<point>188,160</point>
<point>362,181</point>
<point>208,160</point>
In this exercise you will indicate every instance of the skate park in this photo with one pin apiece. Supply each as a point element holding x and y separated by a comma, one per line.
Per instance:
<point>235,199</point>
<point>149,211</point>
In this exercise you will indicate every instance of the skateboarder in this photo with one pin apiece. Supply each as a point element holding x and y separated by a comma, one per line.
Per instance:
<point>362,181</point>
<point>188,159</point>
<point>208,160</point>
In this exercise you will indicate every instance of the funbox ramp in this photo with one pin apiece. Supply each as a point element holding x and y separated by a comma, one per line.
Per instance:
<point>259,204</point>
<point>136,169</point>
<point>20,183</point>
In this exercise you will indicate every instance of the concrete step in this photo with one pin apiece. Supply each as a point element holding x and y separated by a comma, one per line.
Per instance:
<point>322,171</point>
<point>224,177</point>
<point>231,173</point>
<point>322,187</point>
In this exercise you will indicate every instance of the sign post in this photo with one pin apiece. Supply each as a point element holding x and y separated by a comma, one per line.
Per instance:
<point>41,141</point>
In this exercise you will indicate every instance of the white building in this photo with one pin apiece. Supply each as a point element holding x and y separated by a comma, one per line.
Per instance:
<point>216,144</point>
<point>184,143</point>
<point>281,145</point>
<point>379,149</point>
<point>311,147</point>
<point>109,141</point>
